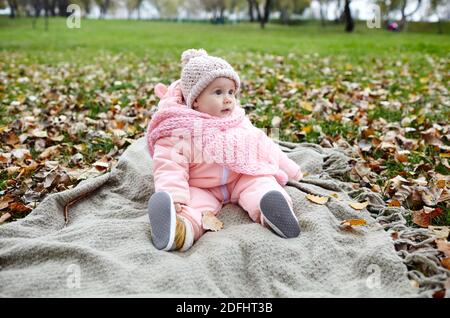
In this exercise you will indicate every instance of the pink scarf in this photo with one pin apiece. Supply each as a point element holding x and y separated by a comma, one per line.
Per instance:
<point>232,142</point>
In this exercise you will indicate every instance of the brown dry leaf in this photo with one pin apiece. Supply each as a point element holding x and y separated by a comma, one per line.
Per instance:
<point>4,217</point>
<point>394,203</point>
<point>431,136</point>
<point>28,169</point>
<point>12,139</point>
<point>445,196</point>
<point>49,152</point>
<point>51,179</point>
<point>317,199</point>
<point>101,164</point>
<point>359,205</point>
<point>446,262</point>
<point>394,235</point>
<point>353,222</point>
<point>441,232</point>
<point>441,183</point>
<point>5,200</point>
<point>439,294</point>
<point>210,222</point>
<point>423,217</point>
<point>18,207</point>
<point>443,246</point>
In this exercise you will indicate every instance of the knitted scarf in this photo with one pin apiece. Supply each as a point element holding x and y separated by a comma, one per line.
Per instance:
<point>232,142</point>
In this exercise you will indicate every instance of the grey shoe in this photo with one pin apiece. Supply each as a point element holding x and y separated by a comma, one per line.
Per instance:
<point>278,215</point>
<point>163,220</point>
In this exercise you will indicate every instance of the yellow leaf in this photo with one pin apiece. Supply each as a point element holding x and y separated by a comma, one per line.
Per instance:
<point>358,205</point>
<point>353,222</point>
<point>307,129</point>
<point>210,222</point>
<point>317,199</point>
<point>307,106</point>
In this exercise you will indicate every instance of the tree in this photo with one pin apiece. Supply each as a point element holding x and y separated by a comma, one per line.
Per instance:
<point>253,6</point>
<point>288,7</point>
<point>267,9</point>
<point>403,20</point>
<point>434,7</point>
<point>167,8</point>
<point>349,24</point>
<point>134,5</point>
<point>323,4</point>
<point>392,6</point>
<point>13,6</point>
<point>104,6</point>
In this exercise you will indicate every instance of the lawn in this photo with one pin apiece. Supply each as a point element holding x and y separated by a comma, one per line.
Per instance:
<point>71,100</point>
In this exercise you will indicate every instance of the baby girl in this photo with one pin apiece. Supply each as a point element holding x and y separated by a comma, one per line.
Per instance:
<point>206,153</point>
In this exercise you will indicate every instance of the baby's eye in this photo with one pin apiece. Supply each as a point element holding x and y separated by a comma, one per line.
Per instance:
<point>231,92</point>
<point>218,92</point>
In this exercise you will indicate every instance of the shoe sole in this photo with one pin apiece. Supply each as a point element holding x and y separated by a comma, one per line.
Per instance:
<point>277,213</point>
<point>163,220</point>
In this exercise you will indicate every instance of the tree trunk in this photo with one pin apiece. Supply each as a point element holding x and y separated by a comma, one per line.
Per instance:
<point>250,10</point>
<point>258,13</point>
<point>265,18</point>
<point>439,25</point>
<point>349,24</point>
<point>284,15</point>
<point>13,8</point>
<point>403,21</point>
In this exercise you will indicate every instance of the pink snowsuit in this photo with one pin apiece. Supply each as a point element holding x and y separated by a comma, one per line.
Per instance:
<point>201,186</point>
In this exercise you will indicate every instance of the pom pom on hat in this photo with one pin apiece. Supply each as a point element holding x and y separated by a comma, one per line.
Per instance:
<point>190,54</point>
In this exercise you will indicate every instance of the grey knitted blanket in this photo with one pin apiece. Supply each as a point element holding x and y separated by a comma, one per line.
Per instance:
<point>105,249</point>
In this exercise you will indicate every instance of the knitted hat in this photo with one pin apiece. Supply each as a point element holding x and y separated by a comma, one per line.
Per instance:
<point>199,70</point>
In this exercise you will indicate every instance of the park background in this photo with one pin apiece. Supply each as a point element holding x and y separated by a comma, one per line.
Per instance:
<point>74,94</point>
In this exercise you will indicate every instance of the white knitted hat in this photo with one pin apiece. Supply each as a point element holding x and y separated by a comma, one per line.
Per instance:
<point>199,70</point>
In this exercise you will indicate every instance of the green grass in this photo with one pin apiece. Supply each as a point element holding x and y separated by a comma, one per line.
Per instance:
<point>155,40</point>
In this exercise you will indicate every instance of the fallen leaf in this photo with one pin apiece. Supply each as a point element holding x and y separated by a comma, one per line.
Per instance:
<point>5,200</point>
<point>423,217</point>
<point>18,207</point>
<point>394,203</point>
<point>49,152</point>
<point>307,106</point>
<point>101,164</point>
<point>359,205</point>
<point>210,222</point>
<point>317,199</point>
<point>4,217</point>
<point>440,231</point>
<point>353,222</point>
<point>446,262</point>
<point>443,246</point>
<point>439,294</point>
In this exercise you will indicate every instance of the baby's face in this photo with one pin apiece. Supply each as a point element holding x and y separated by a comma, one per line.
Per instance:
<point>218,98</point>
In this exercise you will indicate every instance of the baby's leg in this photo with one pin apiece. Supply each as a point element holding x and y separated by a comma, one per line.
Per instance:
<point>202,200</point>
<point>250,189</point>
<point>266,201</point>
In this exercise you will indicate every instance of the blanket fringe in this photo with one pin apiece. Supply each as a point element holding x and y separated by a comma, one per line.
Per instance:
<point>416,247</point>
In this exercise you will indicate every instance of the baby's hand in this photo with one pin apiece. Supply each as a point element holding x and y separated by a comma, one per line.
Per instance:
<point>177,207</point>
<point>299,176</point>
